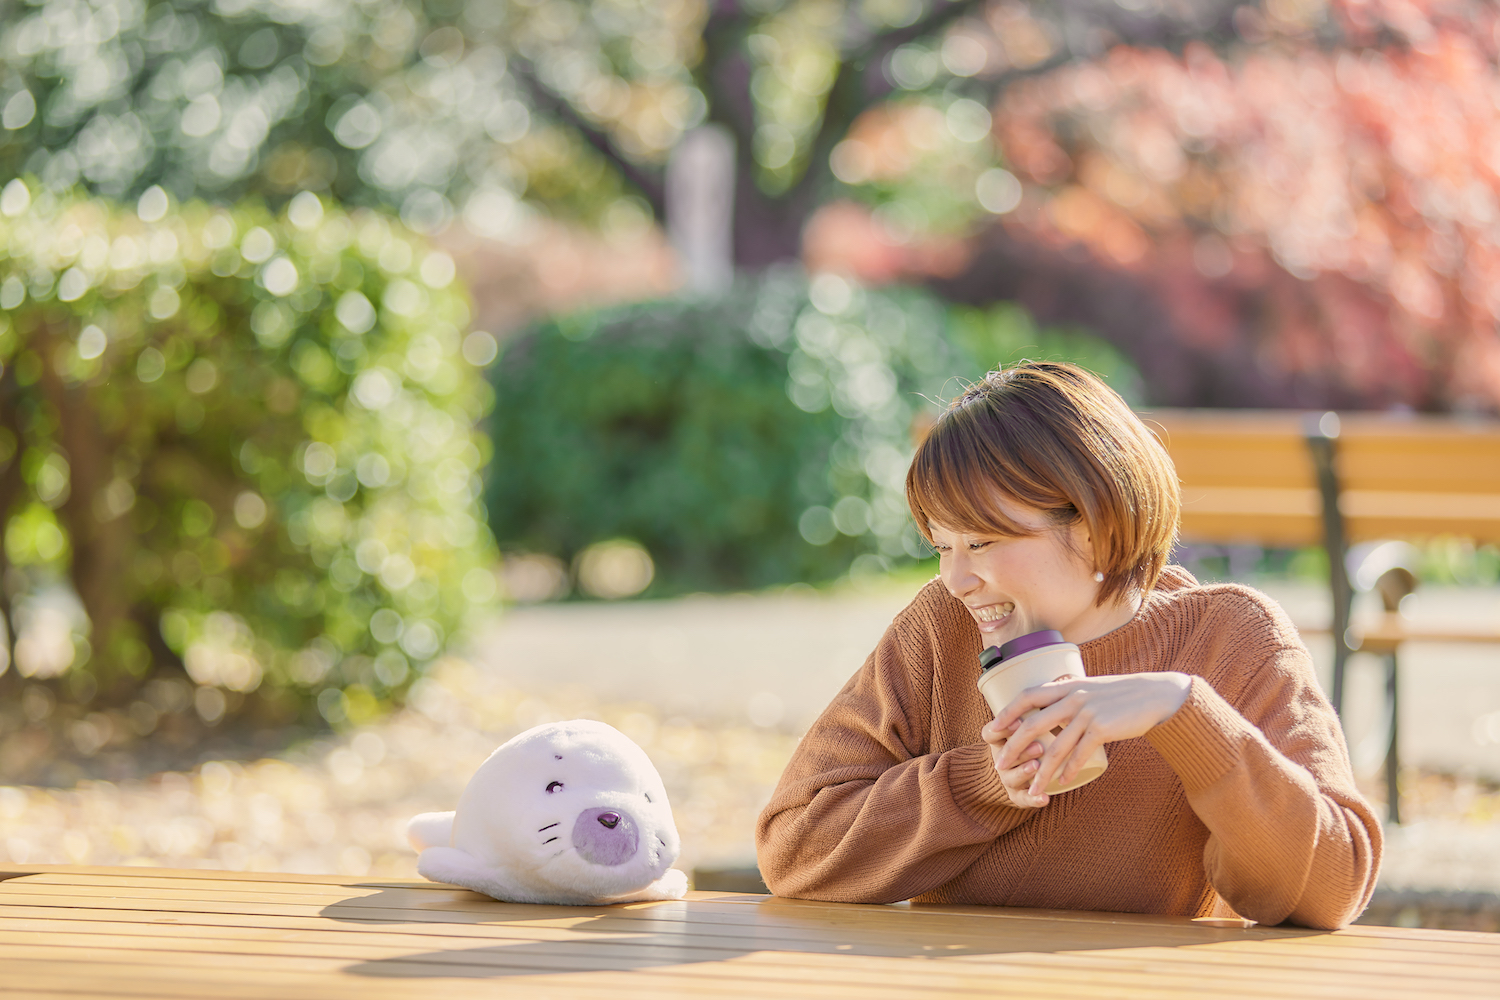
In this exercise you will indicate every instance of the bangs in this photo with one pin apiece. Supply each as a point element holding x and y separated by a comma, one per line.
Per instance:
<point>960,468</point>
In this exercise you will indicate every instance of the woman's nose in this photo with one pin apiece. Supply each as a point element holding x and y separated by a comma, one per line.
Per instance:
<point>957,572</point>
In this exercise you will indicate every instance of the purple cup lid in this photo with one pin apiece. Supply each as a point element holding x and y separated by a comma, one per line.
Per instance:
<point>1020,644</point>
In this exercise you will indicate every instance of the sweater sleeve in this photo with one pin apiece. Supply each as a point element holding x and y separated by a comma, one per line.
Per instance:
<point>1290,837</point>
<point>864,813</point>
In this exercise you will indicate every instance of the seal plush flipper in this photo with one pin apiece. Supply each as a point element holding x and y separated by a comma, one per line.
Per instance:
<point>430,830</point>
<point>458,867</point>
<point>672,885</point>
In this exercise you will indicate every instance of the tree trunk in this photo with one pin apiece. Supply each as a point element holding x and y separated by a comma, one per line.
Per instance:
<point>767,230</point>
<point>11,488</point>
<point>102,544</point>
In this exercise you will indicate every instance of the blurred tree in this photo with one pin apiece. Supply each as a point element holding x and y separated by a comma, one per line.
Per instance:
<point>791,85</point>
<point>245,440</point>
<point>1296,141</point>
<point>1307,218</point>
<point>437,106</point>
<point>1366,172</point>
<point>746,440</point>
<point>403,103</point>
<point>757,438</point>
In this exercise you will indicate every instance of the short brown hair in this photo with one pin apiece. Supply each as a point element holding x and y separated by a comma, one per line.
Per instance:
<point>1054,437</point>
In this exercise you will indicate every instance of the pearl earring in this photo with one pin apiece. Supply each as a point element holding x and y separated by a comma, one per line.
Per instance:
<point>1098,577</point>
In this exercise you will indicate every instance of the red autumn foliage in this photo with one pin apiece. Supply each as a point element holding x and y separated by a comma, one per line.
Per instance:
<point>1291,223</point>
<point>1350,193</point>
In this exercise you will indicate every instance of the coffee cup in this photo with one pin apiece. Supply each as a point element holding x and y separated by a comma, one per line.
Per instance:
<point>1026,661</point>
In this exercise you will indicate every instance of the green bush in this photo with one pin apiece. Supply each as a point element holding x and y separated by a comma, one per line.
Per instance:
<point>245,440</point>
<point>754,439</point>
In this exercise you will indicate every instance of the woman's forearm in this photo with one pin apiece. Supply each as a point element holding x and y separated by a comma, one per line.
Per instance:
<point>1290,838</point>
<point>880,832</point>
<point>864,811</point>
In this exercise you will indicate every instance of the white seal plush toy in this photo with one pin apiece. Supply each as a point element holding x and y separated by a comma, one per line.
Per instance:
<point>569,812</point>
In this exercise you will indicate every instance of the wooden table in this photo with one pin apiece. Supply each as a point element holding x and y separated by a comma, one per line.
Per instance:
<point>146,932</point>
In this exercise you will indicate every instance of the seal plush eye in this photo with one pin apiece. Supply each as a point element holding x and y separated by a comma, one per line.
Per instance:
<point>554,786</point>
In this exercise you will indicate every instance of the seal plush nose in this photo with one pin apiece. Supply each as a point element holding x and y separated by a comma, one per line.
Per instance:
<point>605,836</point>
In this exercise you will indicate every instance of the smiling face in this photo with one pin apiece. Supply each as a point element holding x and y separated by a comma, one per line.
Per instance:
<point>1013,585</point>
<point>1056,446</point>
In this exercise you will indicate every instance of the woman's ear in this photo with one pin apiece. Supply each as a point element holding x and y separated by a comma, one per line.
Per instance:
<point>1082,541</point>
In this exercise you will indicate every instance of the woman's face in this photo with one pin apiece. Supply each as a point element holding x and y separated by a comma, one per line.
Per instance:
<point>1013,586</point>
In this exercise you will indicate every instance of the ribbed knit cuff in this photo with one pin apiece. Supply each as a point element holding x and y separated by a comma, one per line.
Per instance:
<point>976,787</point>
<point>1201,741</point>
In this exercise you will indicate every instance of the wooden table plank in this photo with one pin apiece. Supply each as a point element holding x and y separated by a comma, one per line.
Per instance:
<point>1019,929</point>
<point>751,977</point>
<point>8,868</point>
<point>72,931</point>
<point>1163,963</point>
<point>344,944</point>
<point>710,906</point>
<point>887,930</point>
<point>365,947</point>
<point>771,933</point>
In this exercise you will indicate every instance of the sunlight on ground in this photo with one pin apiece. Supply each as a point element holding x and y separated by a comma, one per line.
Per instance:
<point>340,805</point>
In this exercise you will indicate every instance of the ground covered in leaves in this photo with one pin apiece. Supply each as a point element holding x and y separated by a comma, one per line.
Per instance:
<point>339,804</point>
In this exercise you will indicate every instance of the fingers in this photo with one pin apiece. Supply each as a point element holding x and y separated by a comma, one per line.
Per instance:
<point>1026,755</point>
<point>1058,755</point>
<point>1030,700</point>
<point>1037,725</point>
<point>1069,753</point>
<point>1018,787</point>
<point>1078,759</point>
<point>1017,780</point>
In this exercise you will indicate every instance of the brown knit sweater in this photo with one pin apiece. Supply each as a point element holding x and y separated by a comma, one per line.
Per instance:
<point>1245,795</point>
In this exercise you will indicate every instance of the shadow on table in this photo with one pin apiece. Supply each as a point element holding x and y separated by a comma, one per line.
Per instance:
<point>617,939</point>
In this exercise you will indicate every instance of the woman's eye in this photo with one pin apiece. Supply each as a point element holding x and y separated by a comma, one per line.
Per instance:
<point>976,546</point>
<point>554,786</point>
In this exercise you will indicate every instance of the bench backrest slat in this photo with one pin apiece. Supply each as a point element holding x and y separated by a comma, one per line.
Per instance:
<point>1248,476</point>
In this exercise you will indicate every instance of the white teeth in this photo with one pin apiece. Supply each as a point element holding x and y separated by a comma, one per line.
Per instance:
<point>994,612</point>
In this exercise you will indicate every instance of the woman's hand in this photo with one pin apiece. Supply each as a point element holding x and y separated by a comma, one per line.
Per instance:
<point>1017,777</point>
<point>1090,712</point>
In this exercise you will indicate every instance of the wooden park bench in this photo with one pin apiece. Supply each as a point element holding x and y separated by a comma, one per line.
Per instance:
<point>73,931</point>
<point>1289,479</point>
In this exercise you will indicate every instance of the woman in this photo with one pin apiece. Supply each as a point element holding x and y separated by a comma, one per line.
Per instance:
<point>1229,785</point>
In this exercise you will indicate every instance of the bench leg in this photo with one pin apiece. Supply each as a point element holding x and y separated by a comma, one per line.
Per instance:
<point>1392,752</point>
<point>1322,444</point>
<point>1340,667</point>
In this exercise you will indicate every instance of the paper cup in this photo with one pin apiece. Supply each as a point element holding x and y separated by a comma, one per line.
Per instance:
<point>1026,661</point>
